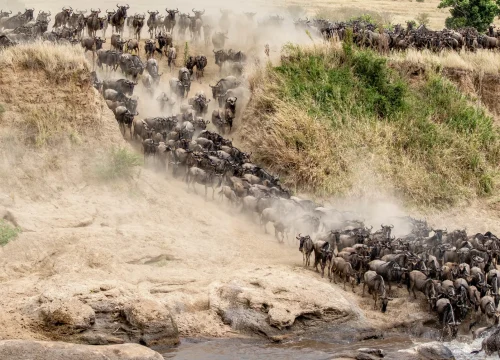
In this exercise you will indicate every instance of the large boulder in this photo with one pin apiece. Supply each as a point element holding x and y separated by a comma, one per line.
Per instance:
<point>46,350</point>
<point>154,322</point>
<point>70,315</point>
<point>272,301</point>
<point>434,351</point>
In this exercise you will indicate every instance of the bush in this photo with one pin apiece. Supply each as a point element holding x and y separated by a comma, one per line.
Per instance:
<point>120,163</point>
<point>470,13</point>
<point>334,108</point>
<point>423,19</point>
<point>7,232</point>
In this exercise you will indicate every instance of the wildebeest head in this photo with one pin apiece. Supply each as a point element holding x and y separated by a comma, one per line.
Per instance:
<point>5,13</point>
<point>302,240</point>
<point>439,234</point>
<point>152,15</point>
<point>109,14</point>
<point>198,14</point>
<point>98,42</point>
<point>121,13</point>
<point>42,16</point>
<point>250,15</point>
<point>28,14</point>
<point>171,13</point>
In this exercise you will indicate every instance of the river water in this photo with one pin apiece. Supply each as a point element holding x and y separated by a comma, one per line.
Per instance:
<point>321,345</point>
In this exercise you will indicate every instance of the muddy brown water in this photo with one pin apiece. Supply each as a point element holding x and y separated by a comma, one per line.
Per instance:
<point>317,345</point>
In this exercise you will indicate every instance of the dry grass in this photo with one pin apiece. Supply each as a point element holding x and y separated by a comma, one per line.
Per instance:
<point>47,93</point>
<point>54,60</point>
<point>482,61</point>
<point>312,121</point>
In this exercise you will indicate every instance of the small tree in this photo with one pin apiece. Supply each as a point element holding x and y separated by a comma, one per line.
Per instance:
<point>475,13</point>
<point>423,19</point>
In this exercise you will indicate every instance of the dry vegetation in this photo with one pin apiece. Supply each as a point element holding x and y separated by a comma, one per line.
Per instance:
<point>28,76</point>
<point>330,120</point>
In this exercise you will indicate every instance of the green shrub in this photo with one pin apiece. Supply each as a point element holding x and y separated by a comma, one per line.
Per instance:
<point>7,232</point>
<point>120,163</point>
<point>433,144</point>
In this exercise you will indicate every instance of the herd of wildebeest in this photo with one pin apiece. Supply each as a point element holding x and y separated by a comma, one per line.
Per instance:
<point>454,271</point>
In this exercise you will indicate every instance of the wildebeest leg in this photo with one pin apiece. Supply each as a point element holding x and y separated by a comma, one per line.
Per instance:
<point>363,294</point>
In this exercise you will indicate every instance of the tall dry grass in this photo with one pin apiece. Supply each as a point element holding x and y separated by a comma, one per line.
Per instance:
<point>481,61</point>
<point>330,121</point>
<point>46,92</point>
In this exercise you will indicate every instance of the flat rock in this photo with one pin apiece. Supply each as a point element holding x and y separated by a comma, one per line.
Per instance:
<point>154,321</point>
<point>71,314</point>
<point>271,303</point>
<point>46,350</point>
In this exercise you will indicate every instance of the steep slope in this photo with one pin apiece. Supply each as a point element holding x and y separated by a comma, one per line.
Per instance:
<point>339,121</point>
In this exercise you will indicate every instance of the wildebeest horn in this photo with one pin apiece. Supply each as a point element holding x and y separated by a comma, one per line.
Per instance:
<point>128,6</point>
<point>193,10</point>
<point>117,5</point>
<point>49,13</point>
<point>63,9</point>
<point>38,11</point>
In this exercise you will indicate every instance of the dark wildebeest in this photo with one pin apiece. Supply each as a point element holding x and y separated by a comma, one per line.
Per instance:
<point>117,20</point>
<point>152,23</point>
<point>5,14</point>
<point>176,87</point>
<point>491,344</point>
<point>164,42</point>
<point>220,58</point>
<point>345,271</point>
<point>390,271</point>
<point>202,177</point>
<point>149,48</point>
<point>488,308</point>
<point>110,58</point>
<point>230,111</point>
<point>418,281</point>
<point>322,252</point>
<point>447,317</point>
<point>18,20</point>
<point>123,86</point>
<point>132,45</point>
<point>306,247</point>
<point>138,24</point>
<point>152,69</point>
<point>223,85</point>
<point>129,102</point>
<point>109,14</point>
<point>376,287</point>
<point>185,79</point>
<point>125,119</point>
<point>42,16</point>
<point>62,17</point>
<point>93,22</point>
<point>131,65</point>
<point>183,24</point>
<point>207,31</point>
<point>171,57</point>
<point>170,21</point>
<point>190,64</point>
<point>219,40</point>
<point>199,103</point>
<point>201,62</point>
<point>92,44</point>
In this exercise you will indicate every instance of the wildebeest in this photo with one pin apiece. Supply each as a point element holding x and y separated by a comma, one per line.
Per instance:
<point>185,79</point>
<point>138,24</point>
<point>117,20</point>
<point>390,271</point>
<point>202,177</point>
<point>152,23</point>
<point>92,44</point>
<point>230,111</point>
<point>419,281</point>
<point>42,16</point>
<point>17,20</point>
<point>170,21</point>
<point>199,103</point>
<point>131,65</point>
<point>93,22</point>
<point>223,85</point>
<point>171,56</point>
<point>306,247</point>
<point>200,62</point>
<point>132,45</point>
<point>149,48</point>
<point>152,69</point>
<point>219,40</point>
<point>164,42</point>
<point>207,32</point>
<point>124,117</point>
<point>322,252</point>
<point>116,42</point>
<point>447,317</point>
<point>110,58</point>
<point>183,24</point>
<point>62,17</point>
<point>5,14</point>
<point>376,287</point>
<point>129,102</point>
<point>121,85</point>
